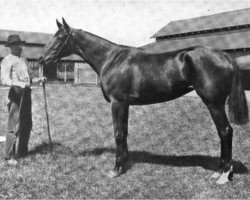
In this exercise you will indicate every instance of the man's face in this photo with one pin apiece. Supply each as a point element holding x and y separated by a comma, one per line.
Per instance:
<point>16,49</point>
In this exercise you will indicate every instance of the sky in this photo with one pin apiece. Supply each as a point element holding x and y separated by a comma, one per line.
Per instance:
<point>127,22</point>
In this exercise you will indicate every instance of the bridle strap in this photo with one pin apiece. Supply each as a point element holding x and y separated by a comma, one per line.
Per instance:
<point>65,45</point>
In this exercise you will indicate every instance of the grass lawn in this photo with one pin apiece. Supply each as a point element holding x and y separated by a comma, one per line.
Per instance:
<point>174,149</point>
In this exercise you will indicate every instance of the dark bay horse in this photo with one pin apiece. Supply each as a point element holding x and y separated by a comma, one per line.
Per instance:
<point>130,76</point>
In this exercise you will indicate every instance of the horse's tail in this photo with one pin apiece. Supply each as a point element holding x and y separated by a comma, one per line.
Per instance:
<point>237,102</point>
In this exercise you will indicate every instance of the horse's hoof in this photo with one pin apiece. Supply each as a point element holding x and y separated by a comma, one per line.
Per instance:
<point>216,175</point>
<point>225,177</point>
<point>113,174</point>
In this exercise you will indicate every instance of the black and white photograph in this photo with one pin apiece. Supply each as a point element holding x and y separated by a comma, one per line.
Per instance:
<point>124,99</point>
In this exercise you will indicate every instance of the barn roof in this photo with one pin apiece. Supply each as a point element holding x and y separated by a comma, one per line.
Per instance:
<point>210,22</point>
<point>34,47</point>
<point>29,37</point>
<point>229,41</point>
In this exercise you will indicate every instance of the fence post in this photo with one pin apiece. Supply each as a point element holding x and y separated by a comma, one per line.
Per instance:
<point>65,72</point>
<point>75,73</point>
<point>40,71</point>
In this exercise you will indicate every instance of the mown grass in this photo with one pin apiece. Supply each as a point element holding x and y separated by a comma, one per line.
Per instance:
<point>174,149</point>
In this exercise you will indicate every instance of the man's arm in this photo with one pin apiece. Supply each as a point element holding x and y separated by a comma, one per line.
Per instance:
<point>5,73</point>
<point>33,78</point>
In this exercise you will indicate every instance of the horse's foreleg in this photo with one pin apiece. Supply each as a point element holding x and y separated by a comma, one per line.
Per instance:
<point>225,132</point>
<point>120,121</point>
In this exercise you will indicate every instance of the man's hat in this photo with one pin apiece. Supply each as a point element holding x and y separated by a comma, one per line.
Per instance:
<point>14,39</point>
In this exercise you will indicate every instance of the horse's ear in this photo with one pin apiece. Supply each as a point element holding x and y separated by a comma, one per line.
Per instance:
<point>66,26</point>
<point>59,25</point>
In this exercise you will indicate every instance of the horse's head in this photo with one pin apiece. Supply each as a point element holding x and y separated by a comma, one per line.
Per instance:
<point>59,46</point>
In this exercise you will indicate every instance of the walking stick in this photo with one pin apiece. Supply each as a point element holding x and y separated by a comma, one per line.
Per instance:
<point>47,116</point>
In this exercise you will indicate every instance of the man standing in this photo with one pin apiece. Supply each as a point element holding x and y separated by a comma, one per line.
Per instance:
<point>16,74</point>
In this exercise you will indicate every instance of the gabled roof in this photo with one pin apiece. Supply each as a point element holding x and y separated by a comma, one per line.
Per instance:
<point>35,44</point>
<point>230,41</point>
<point>29,37</point>
<point>210,22</point>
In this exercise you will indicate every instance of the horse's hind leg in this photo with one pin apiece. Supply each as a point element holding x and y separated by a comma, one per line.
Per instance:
<point>225,132</point>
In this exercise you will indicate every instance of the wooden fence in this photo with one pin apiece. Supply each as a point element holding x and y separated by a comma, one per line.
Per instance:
<point>84,74</point>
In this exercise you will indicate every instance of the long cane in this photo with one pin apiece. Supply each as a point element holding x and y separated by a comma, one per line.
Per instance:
<point>47,116</point>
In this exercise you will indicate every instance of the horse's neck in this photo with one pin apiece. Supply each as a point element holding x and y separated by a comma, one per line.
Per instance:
<point>94,49</point>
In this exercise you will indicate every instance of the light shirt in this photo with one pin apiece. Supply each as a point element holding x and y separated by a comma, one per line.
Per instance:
<point>15,69</point>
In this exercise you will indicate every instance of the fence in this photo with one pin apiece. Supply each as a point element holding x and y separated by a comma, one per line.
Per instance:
<point>84,74</point>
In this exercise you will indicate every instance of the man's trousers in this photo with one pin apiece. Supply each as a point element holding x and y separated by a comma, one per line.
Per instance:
<point>19,127</point>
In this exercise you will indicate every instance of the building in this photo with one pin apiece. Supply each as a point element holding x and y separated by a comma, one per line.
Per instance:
<point>229,31</point>
<point>66,69</point>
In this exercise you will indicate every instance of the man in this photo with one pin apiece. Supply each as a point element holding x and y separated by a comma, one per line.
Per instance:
<point>16,74</point>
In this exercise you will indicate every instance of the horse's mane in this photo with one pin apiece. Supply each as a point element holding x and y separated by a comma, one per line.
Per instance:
<point>86,32</point>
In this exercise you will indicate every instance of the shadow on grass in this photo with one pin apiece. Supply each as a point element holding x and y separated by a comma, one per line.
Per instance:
<point>206,162</point>
<point>55,147</point>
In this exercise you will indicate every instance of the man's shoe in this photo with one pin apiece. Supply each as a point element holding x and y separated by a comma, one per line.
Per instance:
<point>12,162</point>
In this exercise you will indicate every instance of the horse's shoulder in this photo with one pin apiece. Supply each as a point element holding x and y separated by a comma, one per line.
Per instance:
<point>116,59</point>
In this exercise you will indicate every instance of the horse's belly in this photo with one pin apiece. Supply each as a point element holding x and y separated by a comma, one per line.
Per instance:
<point>157,96</point>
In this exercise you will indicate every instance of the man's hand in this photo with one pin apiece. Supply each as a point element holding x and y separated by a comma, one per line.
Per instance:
<point>38,80</point>
<point>42,80</point>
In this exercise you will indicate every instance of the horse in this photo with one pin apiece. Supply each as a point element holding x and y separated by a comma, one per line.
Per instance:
<point>131,76</point>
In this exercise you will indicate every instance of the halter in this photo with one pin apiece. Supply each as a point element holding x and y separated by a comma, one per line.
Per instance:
<point>64,45</point>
